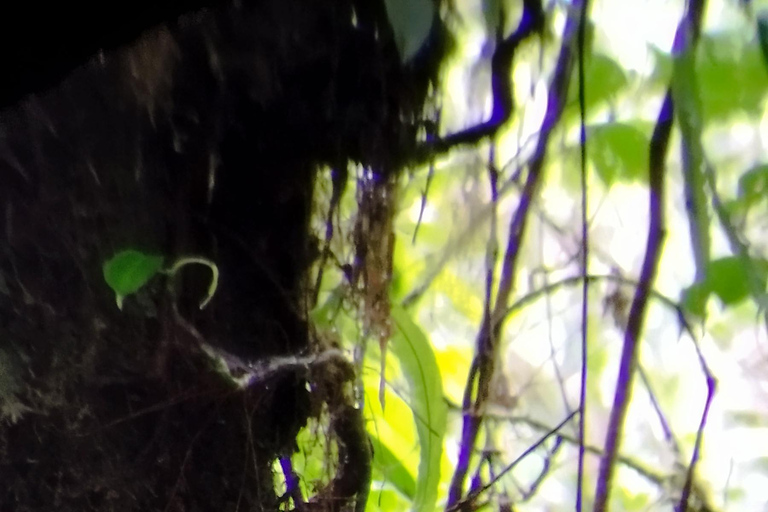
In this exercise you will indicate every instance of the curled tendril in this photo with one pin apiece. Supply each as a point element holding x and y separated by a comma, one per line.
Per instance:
<point>188,260</point>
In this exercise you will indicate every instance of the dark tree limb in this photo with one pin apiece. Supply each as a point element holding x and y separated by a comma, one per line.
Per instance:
<point>532,22</point>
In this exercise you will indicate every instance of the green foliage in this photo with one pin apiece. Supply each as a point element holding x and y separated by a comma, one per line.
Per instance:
<point>603,81</point>
<point>728,278</point>
<point>694,299</point>
<point>414,352</point>
<point>128,271</point>
<point>392,470</point>
<point>315,453</point>
<point>753,186</point>
<point>619,152</point>
<point>732,76</point>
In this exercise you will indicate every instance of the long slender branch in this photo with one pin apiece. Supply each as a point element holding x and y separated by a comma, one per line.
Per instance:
<point>483,364</point>
<point>575,280</point>
<point>687,31</point>
<point>629,353</point>
<point>584,260</point>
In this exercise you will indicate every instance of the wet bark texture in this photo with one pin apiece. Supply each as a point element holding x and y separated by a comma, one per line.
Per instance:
<point>203,137</point>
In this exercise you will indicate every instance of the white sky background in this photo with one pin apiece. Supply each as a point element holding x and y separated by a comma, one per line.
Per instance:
<point>735,467</point>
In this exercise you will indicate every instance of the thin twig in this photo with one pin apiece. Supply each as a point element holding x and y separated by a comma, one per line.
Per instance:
<point>474,495</point>
<point>575,280</point>
<point>477,389</point>
<point>652,475</point>
<point>546,466</point>
<point>688,28</point>
<point>584,258</point>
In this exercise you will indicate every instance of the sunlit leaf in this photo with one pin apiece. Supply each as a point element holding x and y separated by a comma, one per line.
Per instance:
<point>604,79</point>
<point>753,185</point>
<point>732,76</point>
<point>728,279</point>
<point>619,152</point>
<point>413,351</point>
<point>630,501</point>
<point>127,271</point>
<point>463,298</point>
<point>385,500</point>
<point>694,299</point>
<point>392,469</point>
<point>311,459</point>
<point>662,69</point>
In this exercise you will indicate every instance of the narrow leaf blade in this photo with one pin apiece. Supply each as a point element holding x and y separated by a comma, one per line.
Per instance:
<point>413,351</point>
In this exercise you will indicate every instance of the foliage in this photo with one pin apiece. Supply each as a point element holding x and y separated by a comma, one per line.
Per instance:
<point>449,276</point>
<point>130,270</point>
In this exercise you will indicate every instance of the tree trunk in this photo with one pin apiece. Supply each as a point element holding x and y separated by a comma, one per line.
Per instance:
<point>202,138</point>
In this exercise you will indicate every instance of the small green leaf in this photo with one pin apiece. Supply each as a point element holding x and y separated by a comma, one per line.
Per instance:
<point>127,271</point>
<point>603,81</point>
<point>694,299</point>
<point>753,185</point>
<point>732,76</point>
<point>619,152</point>
<point>430,412</point>
<point>728,279</point>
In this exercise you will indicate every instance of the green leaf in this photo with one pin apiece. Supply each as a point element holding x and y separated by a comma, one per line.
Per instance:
<point>744,419</point>
<point>604,79</point>
<point>732,76</point>
<point>694,299</point>
<point>619,152</point>
<point>419,365</point>
<point>411,22</point>
<point>393,471</point>
<point>753,185</point>
<point>728,279</point>
<point>127,271</point>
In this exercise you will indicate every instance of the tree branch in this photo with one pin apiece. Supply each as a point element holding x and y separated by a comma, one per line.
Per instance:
<point>688,29</point>
<point>532,22</point>
<point>481,370</point>
<point>629,354</point>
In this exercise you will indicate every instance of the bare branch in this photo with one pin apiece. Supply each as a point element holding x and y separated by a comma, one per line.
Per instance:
<point>656,232</point>
<point>532,22</point>
<point>476,391</point>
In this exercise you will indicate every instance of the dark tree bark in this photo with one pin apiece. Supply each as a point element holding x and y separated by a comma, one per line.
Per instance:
<point>203,137</point>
